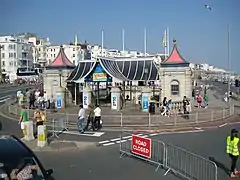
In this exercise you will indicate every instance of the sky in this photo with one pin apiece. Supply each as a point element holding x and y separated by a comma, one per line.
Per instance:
<point>202,35</point>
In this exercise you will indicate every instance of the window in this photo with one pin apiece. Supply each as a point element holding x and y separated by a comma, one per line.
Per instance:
<point>14,55</point>
<point>175,87</point>
<point>73,62</point>
<point>73,55</point>
<point>3,63</point>
<point>3,56</point>
<point>2,47</point>
<point>10,55</point>
<point>73,49</point>
<point>39,49</point>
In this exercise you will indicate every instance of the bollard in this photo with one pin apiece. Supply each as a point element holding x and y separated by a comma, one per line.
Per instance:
<point>29,131</point>
<point>42,136</point>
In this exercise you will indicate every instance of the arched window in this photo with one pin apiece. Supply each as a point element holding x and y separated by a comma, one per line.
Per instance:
<point>174,87</point>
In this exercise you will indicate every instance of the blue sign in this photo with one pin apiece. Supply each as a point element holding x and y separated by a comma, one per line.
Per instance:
<point>85,99</point>
<point>59,100</point>
<point>145,103</point>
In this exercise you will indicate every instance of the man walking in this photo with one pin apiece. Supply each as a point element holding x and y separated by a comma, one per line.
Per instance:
<point>81,116</point>
<point>90,118</point>
<point>97,120</point>
<point>24,118</point>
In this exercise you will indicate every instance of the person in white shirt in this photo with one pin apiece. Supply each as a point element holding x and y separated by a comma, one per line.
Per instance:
<point>97,120</point>
<point>81,116</point>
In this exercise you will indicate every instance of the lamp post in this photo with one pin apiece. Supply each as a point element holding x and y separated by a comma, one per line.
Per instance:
<point>60,78</point>
<point>229,58</point>
<point>1,47</point>
<point>229,62</point>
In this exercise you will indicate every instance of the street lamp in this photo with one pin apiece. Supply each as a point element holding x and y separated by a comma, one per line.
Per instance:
<point>1,47</point>
<point>229,64</point>
<point>60,78</point>
<point>229,57</point>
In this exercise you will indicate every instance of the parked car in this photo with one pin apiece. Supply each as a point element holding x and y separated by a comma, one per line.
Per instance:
<point>15,155</point>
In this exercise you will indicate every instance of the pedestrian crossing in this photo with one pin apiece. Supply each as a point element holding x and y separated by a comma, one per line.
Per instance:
<point>124,139</point>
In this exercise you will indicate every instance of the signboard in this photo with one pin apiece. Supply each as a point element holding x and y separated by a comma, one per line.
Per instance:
<point>141,146</point>
<point>99,77</point>
<point>145,102</point>
<point>114,101</point>
<point>85,100</point>
<point>59,100</point>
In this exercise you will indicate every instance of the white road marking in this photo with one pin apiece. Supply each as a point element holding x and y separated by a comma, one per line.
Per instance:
<point>153,134</point>
<point>102,142</point>
<point>3,100</point>
<point>95,134</point>
<point>126,137</point>
<point>129,138</point>
<point>108,144</point>
<point>121,141</point>
<point>223,125</point>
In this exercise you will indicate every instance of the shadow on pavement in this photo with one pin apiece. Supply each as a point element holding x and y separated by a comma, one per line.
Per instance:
<point>220,165</point>
<point>164,169</point>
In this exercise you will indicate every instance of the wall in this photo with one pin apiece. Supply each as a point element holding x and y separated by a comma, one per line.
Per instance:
<point>51,76</point>
<point>180,74</point>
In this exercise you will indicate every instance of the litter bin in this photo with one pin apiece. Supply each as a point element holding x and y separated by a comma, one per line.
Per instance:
<point>152,108</point>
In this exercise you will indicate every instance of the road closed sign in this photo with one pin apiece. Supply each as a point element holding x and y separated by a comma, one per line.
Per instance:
<point>141,146</point>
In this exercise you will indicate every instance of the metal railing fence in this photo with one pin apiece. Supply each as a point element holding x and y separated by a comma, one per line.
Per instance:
<point>188,164</point>
<point>59,124</point>
<point>119,119</point>
<point>157,150</point>
<point>174,159</point>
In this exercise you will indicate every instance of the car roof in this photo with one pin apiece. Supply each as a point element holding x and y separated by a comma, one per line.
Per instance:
<point>12,149</point>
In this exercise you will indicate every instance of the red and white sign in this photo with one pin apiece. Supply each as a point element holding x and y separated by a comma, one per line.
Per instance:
<point>141,146</point>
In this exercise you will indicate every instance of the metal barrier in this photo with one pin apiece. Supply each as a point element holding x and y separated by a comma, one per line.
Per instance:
<point>172,158</point>
<point>119,119</point>
<point>59,124</point>
<point>156,149</point>
<point>189,165</point>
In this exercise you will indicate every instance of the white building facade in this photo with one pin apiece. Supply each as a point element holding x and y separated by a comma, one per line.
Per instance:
<point>39,50</point>
<point>16,52</point>
<point>73,53</point>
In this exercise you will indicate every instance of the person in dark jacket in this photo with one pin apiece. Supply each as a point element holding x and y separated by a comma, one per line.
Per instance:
<point>90,118</point>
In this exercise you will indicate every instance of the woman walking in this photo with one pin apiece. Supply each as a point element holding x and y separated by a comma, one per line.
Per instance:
<point>233,150</point>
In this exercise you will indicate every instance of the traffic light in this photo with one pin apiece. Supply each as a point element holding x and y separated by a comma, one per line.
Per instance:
<point>237,83</point>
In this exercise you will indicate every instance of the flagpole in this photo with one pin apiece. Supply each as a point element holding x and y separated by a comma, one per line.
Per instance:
<point>102,43</point>
<point>123,40</point>
<point>168,41</point>
<point>145,41</point>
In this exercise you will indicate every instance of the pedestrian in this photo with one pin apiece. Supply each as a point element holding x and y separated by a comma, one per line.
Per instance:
<point>233,150</point>
<point>81,116</point>
<point>164,107</point>
<point>39,118</point>
<point>199,101</point>
<point>97,115</point>
<point>169,107</point>
<point>90,118</point>
<point>24,118</point>
<point>205,99</point>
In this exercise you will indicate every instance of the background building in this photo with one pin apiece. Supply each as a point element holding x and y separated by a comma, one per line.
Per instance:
<point>39,49</point>
<point>16,52</point>
<point>74,53</point>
